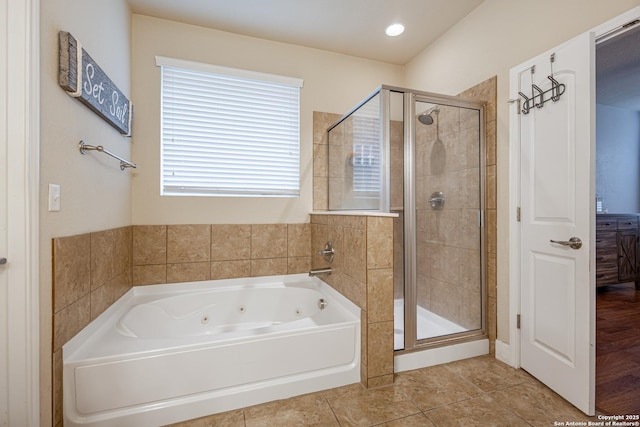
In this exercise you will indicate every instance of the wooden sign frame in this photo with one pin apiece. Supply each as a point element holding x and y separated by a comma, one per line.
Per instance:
<point>81,77</point>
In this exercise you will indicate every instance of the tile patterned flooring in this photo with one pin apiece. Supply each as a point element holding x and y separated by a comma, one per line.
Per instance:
<point>481,391</point>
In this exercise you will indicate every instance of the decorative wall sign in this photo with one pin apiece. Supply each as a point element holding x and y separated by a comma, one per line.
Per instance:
<point>84,80</point>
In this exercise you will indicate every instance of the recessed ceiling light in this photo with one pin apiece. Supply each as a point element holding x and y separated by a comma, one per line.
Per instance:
<point>395,30</point>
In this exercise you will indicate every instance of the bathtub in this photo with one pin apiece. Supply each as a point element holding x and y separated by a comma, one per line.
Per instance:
<point>167,353</point>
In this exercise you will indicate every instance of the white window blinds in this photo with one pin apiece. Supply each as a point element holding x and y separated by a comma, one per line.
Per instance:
<point>367,165</point>
<point>228,132</point>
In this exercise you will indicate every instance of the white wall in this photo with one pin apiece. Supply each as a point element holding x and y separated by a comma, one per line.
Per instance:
<point>493,38</point>
<point>332,83</point>
<point>618,158</point>
<point>95,193</point>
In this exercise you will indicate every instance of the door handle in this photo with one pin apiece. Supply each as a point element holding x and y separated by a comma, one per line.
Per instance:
<point>573,243</point>
<point>3,261</point>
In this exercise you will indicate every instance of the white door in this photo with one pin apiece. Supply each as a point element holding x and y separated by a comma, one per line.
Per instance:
<point>19,392</point>
<point>557,152</point>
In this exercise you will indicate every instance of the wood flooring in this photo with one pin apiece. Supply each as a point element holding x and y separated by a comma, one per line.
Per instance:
<point>618,349</point>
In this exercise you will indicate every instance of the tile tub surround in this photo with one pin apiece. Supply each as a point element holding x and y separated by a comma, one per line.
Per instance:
<point>363,272</point>
<point>184,253</point>
<point>91,271</point>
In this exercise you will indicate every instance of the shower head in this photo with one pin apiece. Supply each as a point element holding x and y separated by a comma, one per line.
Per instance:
<point>426,118</point>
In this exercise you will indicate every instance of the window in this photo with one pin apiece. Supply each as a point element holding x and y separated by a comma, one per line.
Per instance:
<point>228,132</point>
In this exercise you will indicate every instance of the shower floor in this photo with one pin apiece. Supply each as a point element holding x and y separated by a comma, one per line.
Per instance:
<point>429,324</point>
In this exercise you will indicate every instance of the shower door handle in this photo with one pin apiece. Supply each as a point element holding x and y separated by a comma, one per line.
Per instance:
<point>573,243</point>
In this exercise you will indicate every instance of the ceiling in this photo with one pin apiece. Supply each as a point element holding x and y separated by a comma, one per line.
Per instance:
<point>352,27</point>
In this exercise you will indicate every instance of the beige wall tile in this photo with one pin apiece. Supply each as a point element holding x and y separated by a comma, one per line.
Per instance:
<point>470,269</point>
<point>469,231</point>
<point>149,244</point>
<point>363,372</point>
<point>491,275</point>
<point>230,269</point>
<point>298,240</point>
<point>149,274</point>
<point>188,243</point>
<point>102,257</point>
<point>355,221</point>
<point>491,319</point>
<point>355,248</point>
<point>446,299</point>
<point>444,262</point>
<point>188,272</point>
<point>380,349</point>
<point>70,320</point>
<point>122,250</point>
<point>354,290</point>
<point>320,194</point>
<point>320,164</point>
<point>491,187</point>
<point>101,299</point>
<point>71,271</point>
<point>379,242</point>
<point>320,219</point>
<point>318,239</point>
<point>335,235</point>
<point>298,265</point>
<point>470,310</point>
<point>491,231</point>
<point>119,285</point>
<point>230,242</point>
<point>380,381</point>
<point>268,267</point>
<point>491,142</point>
<point>268,241</point>
<point>380,295</point>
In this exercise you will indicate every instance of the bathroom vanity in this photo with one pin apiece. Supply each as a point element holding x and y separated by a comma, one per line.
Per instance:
<point>617,249</point>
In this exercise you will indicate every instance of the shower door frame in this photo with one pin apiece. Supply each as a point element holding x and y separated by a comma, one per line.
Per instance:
<point>411,342</point>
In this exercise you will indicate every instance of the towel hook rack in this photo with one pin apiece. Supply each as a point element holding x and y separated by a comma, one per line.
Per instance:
<point>123,163</point>
<point>538,98</point>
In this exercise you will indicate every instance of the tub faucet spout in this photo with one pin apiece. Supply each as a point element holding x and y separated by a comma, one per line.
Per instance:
<point>320,271</point>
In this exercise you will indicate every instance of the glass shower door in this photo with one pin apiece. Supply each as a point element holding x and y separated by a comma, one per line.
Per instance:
<point>448,177</point>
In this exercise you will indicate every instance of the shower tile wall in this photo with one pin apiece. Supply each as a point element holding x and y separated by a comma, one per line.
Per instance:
<point>321,122</point>
<point>447,261</point>
<point>396,148</point>
<point>487,92</point>
<point>448,275</point>
<point>363,272</point>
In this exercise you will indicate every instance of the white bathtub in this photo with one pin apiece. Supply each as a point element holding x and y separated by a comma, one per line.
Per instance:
<point>167,353</point>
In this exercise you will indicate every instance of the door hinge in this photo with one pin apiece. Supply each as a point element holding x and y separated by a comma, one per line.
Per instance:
<point>518,214</point>
<point>518,321</point>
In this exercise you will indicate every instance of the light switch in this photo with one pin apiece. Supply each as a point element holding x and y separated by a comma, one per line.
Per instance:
<point>54,197</point>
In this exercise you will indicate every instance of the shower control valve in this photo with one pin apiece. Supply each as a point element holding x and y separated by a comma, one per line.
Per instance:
<point>328,252</point>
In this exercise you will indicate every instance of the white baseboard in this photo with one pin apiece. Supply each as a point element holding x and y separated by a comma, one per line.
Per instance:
<point>503,352</point>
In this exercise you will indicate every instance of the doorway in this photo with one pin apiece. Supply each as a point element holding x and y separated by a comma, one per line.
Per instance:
<point>618,201</point>
<point>582,155</point>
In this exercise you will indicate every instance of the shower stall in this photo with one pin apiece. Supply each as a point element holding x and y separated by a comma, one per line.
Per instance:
<point>421,156</point>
